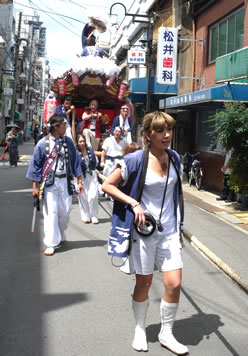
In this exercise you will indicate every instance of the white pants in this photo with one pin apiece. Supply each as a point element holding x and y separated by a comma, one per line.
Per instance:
<point>56,211</point>
<point>128,136</point>
<point>90,139</point>
<point>110,166</point>
<point>88,201</point>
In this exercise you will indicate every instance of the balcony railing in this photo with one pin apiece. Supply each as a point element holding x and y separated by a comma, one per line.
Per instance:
<point>232,67</point>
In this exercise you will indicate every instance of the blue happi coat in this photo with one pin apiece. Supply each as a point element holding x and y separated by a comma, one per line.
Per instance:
<point>39,158</point>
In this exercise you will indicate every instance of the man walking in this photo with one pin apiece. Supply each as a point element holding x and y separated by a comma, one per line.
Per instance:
<point>54,164</point>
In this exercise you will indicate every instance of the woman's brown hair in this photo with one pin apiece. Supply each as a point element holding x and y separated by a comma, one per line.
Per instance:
<point>156,120</point>
<point>131,147</point>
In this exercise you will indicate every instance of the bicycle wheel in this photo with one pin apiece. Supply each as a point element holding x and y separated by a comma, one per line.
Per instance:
<point>191,175</point>
<point>198,179</point>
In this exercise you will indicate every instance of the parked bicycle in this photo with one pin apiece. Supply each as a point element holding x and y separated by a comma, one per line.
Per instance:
<point>193,170</point>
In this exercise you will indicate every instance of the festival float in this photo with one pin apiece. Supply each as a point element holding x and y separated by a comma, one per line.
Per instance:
<point>91,77</point>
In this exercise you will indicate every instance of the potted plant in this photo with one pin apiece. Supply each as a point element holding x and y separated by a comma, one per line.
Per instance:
<point>231,131</point>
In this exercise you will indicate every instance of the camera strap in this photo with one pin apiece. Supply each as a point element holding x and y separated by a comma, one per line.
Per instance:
<point>143,174</point>
<point>158,222</point>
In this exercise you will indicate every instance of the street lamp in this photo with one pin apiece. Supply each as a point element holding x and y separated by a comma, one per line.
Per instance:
<point>128,14</point>
<point>149,46</point>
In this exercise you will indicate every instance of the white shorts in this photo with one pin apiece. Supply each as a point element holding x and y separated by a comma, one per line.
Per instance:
<point>157,250</point>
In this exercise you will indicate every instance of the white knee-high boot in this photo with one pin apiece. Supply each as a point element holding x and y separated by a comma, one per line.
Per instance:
<point>168,314</point>
<point>140,310</point>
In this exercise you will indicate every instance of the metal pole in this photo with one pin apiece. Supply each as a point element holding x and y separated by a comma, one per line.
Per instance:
<point>17,44</point>
<point>149,63</point>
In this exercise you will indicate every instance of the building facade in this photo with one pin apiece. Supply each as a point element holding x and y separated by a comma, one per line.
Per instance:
<point>219,74</point>
<point>7,33</point>
<point>23,69</point>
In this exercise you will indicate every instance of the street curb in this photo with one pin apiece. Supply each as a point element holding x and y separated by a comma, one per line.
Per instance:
<point>242,283</point>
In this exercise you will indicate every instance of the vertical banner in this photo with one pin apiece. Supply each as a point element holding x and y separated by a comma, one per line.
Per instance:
<point>61,85</point>
<point>167,56</point>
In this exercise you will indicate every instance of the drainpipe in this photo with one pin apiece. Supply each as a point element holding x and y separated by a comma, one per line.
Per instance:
<point>194,51</point>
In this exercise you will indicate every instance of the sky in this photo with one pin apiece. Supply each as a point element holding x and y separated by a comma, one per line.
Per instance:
<point>63,34</point>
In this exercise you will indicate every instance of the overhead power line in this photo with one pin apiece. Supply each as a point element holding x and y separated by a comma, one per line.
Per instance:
<point>58,22</point>
<point>59,16</point>
<point>50,12</point>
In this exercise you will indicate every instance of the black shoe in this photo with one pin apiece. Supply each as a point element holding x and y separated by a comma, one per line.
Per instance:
<point>229,200</point>
<point>221,198</point>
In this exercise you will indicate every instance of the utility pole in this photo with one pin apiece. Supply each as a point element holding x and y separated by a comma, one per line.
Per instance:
<point>17,45</point>
<point>33,25</point>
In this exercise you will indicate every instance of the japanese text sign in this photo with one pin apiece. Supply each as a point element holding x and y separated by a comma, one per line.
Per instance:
<point>136,57</point>
<point>167,56</point>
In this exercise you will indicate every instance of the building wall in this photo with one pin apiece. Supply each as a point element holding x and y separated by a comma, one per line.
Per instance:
<point>246,24</point>
<point>165,18</point>
<point>212,175</point>
<point>216,12</point>
<point>7,23</point>
<point>184,23</point>
<point>174,14</point>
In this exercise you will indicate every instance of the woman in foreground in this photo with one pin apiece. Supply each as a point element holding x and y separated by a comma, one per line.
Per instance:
<point>161,196</point>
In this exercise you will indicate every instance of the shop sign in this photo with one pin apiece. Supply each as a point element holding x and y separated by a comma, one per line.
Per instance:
<point>167,55</point>
<point>7,91</point>
<point>136,57</point>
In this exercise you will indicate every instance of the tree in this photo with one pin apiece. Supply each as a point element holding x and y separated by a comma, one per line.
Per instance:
<point>231,131</point>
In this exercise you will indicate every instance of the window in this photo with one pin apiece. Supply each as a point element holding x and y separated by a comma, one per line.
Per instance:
<point>204,127</point>
<point>227,35</point>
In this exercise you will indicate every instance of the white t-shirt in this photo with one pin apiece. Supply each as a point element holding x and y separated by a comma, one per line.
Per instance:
<point>152,198</point>
<point>112,148</point>
<point>126,125</point>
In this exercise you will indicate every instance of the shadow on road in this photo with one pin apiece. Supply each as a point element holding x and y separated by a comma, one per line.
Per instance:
<point>189,331</point>
<point>52,302</point>
<point>192,330</point>
<point>72,245</point>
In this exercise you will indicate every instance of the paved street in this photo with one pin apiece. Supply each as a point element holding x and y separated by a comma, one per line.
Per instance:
<point>76,303</point>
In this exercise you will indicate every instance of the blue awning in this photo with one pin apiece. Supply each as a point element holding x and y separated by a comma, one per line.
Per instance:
<point>138,88</point>
<point>222,93</point>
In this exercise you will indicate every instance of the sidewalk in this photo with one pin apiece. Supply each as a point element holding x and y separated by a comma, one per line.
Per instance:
<point>223,234</point>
